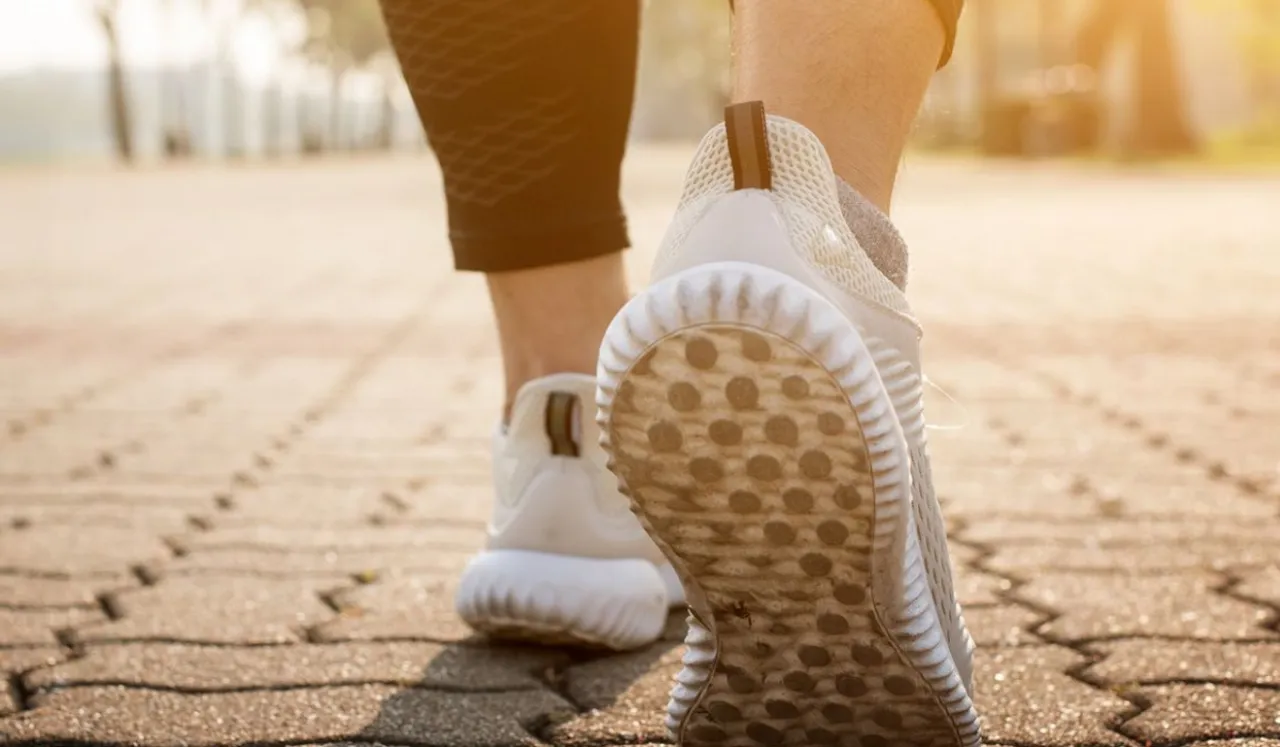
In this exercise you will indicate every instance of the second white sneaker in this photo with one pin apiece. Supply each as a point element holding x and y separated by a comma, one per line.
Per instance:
<point>566,561</point>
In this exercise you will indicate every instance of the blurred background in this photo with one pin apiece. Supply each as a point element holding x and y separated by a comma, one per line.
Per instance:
<point>246,406</point>
<point>141,80</point>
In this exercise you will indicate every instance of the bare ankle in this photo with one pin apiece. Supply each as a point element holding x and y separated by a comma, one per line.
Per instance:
<point>797,59</point>
<point>551,319</point>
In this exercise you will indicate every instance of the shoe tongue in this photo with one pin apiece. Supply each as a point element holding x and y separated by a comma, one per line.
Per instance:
<point>875,234</point>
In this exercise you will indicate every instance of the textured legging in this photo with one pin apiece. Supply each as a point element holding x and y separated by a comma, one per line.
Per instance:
<point>526,104</point>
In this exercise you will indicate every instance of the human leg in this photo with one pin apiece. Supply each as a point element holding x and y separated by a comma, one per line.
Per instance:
<point>852,72</point>
<point>550,319</point>
<point>526,105</point>
<point>762,401</point>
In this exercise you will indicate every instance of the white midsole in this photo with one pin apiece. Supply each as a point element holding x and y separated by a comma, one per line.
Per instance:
<point>614,603</point>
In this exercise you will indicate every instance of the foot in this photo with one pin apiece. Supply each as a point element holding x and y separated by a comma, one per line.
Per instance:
<point>566,562</point>
<point>761,401</point>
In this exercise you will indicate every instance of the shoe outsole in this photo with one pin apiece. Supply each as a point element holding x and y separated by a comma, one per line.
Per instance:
<point>561,600</point>
<point>747,423</point>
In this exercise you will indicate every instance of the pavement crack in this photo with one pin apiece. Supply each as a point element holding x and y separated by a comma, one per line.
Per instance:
<point>1230,588</point>
<point>198,403</point>
<point>244,479</point>
<point>175,546</point>
<point>1215,470</point>
<point>1010,595</point>
<point>556,679</point>
<point>68,639</point>
<point>265,549</point>
<point>435,433</point>
<point>18,692</point>
<point>110,607</point>
<point>1218,681</point>
<point>1161,637</point>
<point>19,572</point>
<point>1138,703</point>
<point>1157,439</point>
<point>330,599</point>
<point>1089,657</point>
<point>276,688</point>
<point>331,739</point>
<point>623,739</point>
<point>200,523</point>
<point>147,575</point>
<point>25,696</point>
<point>170,640</point>
<point>15,607</point>
<point>1233,738</point>
<point>392,499</point>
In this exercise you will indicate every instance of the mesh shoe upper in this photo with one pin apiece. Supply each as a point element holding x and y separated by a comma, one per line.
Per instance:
<point>556,503</point>
<point>804,191</point>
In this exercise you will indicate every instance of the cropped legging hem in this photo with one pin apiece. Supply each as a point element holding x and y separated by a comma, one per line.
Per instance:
<point>509,249</point>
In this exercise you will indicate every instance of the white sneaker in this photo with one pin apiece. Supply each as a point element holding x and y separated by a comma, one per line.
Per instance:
<point>762,402</point>
<point>566,561</point>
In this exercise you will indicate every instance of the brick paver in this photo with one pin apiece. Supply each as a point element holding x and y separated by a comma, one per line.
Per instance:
<point>244,420</point>
<point>214,668</point>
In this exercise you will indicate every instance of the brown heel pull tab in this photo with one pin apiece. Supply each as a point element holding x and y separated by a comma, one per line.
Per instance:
<point>562,411</point>
<point>748,145</point>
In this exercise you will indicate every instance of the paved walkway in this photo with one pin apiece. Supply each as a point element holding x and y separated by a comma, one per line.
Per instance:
<point>243,439</point>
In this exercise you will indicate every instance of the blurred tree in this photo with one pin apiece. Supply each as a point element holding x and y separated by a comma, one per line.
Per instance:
<point>1097,33</point>
<point>286,16</point>
<point>345,32</point>
<point>986,48</point>
<point>1159,123</point>
<point>224,16</point>
<point>344,35</point>
<point>1257,25</point>
<point>684,81</point>
<point>1160,112</point>
<point>340,36</point>
<point>1051,16</point>
<point>107,12</point>
<point>175,123</point>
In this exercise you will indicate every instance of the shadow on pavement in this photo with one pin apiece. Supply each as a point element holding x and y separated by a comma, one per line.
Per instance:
<point>479,693</point>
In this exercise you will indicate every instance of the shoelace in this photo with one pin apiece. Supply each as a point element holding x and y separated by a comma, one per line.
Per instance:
<point>944,426</point>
